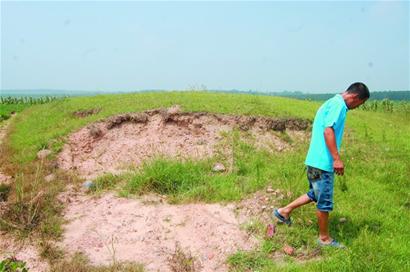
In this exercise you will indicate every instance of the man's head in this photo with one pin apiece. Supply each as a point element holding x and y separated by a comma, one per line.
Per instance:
<point>356,95</point>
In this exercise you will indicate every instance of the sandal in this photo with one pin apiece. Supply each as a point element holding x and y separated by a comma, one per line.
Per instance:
<point>282,219</point>
<point>334,244</point>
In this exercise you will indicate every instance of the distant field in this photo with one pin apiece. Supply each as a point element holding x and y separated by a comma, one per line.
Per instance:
<point>373,196</point>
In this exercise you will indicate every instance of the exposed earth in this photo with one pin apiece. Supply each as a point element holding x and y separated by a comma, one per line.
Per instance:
<point>125,141</point>
<point>147,229</point>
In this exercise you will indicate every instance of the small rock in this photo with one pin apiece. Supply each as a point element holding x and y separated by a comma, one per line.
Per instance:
<point>218,167</point>
<point>210,256</point>
<point>4,179</point>
<point>263,208</point>
<point>140,118</point>
<point>42,154</point>
<point>288,250</point>
<point>50,177</point>
<point>88,184</point>
<point>270,230</point>
<point>174,110</point>
<point>342,220</point>
<point>95,131</point>
<point>289,194</point>
<point>270,190</point>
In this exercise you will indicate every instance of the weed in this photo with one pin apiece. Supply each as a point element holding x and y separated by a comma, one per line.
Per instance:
<point>13,265</point>
<point>4,192</point>
<point>179,261</point>
<point>107,182</point>
<point>80,263</point>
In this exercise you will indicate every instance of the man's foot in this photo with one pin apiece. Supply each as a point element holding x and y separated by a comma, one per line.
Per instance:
<point>281,217</point>
<point>330,243</point>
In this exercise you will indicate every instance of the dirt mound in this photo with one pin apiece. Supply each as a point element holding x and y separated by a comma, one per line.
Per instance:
<point>147,231</point>
<point>85,113</point>
<point>124,141</point>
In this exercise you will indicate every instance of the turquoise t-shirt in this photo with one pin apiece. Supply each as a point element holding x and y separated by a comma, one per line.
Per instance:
<point>331,114</point>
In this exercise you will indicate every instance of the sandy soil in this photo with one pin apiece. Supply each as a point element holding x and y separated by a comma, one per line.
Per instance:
<point>22,250</point>
<point>146,231</point>
<point>125,141</point>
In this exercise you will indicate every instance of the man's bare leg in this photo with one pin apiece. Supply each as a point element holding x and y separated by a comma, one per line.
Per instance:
<point>300,201</point>
<point>323,222</point>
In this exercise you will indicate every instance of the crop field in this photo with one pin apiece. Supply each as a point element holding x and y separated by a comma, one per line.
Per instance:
<point>372,201</point>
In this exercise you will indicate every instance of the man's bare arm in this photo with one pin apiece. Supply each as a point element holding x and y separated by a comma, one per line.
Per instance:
<point>330,140</point>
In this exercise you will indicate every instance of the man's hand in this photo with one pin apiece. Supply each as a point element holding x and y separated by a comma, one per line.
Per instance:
<point>339,167</point>
<point>330,140</point>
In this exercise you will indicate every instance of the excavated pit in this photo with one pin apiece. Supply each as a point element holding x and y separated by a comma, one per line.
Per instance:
<point>124,141</point>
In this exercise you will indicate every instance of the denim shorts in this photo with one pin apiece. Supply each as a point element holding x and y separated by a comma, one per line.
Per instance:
<point>321,188</point>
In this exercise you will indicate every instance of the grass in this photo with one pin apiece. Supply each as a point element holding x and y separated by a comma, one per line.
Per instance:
<point>7,109</point>
<point>181,261</point>
<point>12,265</point>
<point>373,195</point>
<point>80,263</point>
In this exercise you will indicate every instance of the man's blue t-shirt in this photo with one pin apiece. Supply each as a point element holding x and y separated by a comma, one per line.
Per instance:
<point>331,114</point>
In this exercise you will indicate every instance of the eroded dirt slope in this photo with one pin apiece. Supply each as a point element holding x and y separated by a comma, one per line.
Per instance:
<point>125,141</point>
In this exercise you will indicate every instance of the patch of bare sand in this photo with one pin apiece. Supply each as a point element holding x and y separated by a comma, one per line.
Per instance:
<point>125,141</point>
<point>22,250</point>
<point>146,231</point>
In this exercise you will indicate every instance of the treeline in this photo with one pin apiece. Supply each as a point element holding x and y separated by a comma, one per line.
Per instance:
<point>27,100</point>
<point>387,105</point>
<point>390,95</point>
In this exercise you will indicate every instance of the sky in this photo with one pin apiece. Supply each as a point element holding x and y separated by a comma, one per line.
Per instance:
<point>262,46</point>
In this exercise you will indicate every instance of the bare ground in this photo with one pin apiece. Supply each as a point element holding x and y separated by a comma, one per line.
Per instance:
<point>125,141</point>
<point>147,230</point>
<point>22,250</point>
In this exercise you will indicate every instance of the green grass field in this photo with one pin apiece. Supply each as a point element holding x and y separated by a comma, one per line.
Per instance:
<point>7,109</point>
<point>373,195</point>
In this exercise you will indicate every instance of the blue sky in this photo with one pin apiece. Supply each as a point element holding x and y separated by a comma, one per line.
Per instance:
<point>264,46</point>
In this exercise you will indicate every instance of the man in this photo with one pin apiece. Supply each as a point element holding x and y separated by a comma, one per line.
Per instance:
<point>323,158</point>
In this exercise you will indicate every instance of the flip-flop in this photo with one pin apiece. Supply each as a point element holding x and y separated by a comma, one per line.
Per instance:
<point>334,244</point>
<point>282,219</point>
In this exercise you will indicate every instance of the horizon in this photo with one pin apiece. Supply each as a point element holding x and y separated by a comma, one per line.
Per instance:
<point>175,90</point>
<point>259,46</point>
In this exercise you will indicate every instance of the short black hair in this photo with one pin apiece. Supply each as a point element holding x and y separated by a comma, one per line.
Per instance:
<point>360,89</point>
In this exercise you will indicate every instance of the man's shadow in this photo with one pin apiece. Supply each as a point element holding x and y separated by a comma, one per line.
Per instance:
<point>346,229</point>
